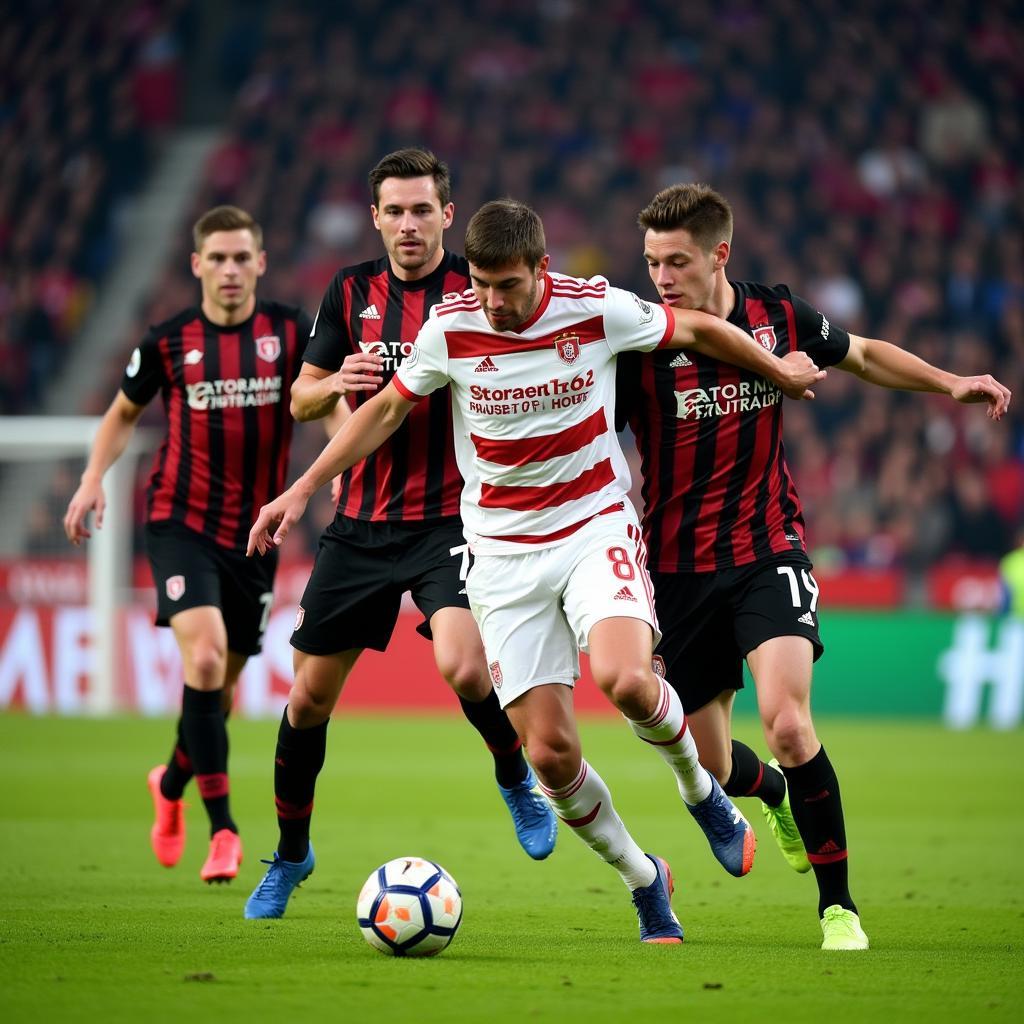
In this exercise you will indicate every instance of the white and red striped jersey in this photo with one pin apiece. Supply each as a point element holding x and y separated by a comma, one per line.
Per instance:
<point>534,409</point>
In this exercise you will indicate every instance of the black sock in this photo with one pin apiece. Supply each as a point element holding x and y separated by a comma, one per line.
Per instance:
<point>179,769</point>
<point>299,758</point>
<point>818,813</point>
<point>492,723</point>
<point>206,740</point>
<point>752,777</point>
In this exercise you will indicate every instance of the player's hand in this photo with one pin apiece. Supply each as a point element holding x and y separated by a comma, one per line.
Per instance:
<point>798,373</point>
<point>983,388</point>
<point>88,498</point>
<point>336,490</point>
<point>361,371</point>
<point>275,521</point>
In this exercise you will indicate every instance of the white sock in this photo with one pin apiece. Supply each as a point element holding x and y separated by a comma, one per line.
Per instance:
<point>585,805</point>
<point>666,730</point>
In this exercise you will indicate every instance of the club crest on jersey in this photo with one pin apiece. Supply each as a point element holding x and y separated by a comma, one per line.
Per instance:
<point>268,347</point>
<point>764,336</point>
<point>495,669</point>
<point>568,348</point>
<point>175,587</point>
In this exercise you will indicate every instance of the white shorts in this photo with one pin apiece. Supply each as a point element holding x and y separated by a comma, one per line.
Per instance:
<point>535,610</point>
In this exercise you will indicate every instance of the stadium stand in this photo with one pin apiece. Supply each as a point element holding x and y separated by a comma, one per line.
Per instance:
<point>873,155</point>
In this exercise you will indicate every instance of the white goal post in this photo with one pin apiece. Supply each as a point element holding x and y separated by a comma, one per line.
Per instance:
<point>31,438</point>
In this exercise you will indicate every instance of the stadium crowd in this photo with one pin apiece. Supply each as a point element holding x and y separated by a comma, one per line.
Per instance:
<point>873,154</point>
<point>87,88</point>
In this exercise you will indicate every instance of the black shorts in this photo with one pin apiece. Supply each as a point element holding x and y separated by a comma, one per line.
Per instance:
<point>190,570</point>
<point>362,570</point>
<point>710,621</point>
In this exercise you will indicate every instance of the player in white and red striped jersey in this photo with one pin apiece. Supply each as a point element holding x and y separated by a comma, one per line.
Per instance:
<point>532,434</point>
<point>558,562</point>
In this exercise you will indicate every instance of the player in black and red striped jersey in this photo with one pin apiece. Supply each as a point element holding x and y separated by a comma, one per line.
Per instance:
<point>724,529</point>
<point>397,527</point>
<point>223,369</point>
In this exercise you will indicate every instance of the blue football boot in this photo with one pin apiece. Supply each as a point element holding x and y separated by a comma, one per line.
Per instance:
<point>270,897</point>
<point>653,905</point>
<point>729,833</point>
<point>535,822</point>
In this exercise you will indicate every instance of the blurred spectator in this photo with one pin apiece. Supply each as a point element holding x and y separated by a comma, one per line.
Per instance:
<point>954,127</point>
<point>1004,477</point>
<point>977,529</point>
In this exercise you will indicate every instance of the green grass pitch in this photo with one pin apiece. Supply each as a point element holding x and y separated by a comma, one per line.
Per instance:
<point>92,929</point>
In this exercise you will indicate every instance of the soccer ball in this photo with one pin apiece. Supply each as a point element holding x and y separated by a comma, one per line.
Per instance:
<point>409,907</point>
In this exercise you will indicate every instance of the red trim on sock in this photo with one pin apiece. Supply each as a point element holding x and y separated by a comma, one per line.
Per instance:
<point>827,858</point>
<point>760,779</point>
<point>585,820</point>
<point>212,786</point>
<point>660,711</point>
<point>667,743</point>
<point>292,812</point>
<point>182,760</point>
<point>573,787</point>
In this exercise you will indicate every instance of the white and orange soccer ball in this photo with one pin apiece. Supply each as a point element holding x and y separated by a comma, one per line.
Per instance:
<point>409,907</point>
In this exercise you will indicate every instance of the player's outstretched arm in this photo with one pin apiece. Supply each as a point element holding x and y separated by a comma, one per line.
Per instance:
<point>112,437</point>
<point>889,366</point>
<point>794,374</point>
<point>364,432</point>
<point>315,392</point>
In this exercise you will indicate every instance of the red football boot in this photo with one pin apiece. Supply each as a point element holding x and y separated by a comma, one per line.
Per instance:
<point>167,836</point>
<point>224,858</point>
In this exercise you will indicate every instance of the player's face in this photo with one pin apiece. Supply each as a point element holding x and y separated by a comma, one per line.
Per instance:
<point>681,270</point>
<point>229,265</point>
<point>508,295</point>
<point>411,221</point>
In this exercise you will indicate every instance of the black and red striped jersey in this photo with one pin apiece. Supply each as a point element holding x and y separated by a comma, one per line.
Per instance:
<point>413,475</point>
<point>226,394</point>
<point>717,491</point>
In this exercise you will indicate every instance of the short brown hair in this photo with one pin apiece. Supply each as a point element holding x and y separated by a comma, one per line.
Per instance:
<point>225,218</point>
<point>505,232</point>
<point>412,162</point>
<point>698,209</point>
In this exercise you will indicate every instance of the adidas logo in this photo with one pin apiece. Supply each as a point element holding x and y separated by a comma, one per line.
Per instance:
<point>680,360</point>
<point>807,619</point>
<point>486,365</point>
<point>370,313</point>
<point>830,846</point>
<point>625,594</point>
<point>193,356</point>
